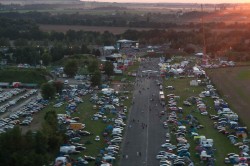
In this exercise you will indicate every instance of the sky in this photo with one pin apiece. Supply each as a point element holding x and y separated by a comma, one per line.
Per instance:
<point>175,1</point>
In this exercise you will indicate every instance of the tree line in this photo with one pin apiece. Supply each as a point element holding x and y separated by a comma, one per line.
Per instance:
<point>124,19</point>
<point>27,44</point>
<point>32,148</point>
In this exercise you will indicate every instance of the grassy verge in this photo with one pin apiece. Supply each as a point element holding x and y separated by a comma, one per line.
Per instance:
<point>221,143</point>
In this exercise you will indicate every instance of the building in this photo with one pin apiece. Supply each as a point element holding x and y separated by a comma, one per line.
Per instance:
<point>120,44</point>
<point>107,50</point>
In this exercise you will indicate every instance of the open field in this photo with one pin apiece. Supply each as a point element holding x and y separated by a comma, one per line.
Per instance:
<point>234,83</point>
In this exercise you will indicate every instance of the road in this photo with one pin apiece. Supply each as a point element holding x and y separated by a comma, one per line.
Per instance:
<point>144,132</point>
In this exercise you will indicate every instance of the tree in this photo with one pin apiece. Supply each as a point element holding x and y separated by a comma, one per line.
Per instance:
<point>38,147</point>
<point>40,143</point>
<point>48,91</point>
<point>84,49</point>
<point>93,66</point>
<point>4,42</point>
<point>46,58</point>
<point>51,120</point>
<point>109,68</point>
<point>50,130</point>
<point>97,53</point>
<point>21,43</point>
<point>71,68</point>
<point>58,85</point>
<point>57,52</point>
<point>96,78</point>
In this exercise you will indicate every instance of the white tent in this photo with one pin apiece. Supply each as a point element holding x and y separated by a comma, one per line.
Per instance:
<point>204,154</point>
<point>179,71</point>
<point>194,83</point>
<point>67,149</point>
<point>107,90</point>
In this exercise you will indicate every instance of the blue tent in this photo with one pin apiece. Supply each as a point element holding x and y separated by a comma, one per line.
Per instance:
<point>109,127</point>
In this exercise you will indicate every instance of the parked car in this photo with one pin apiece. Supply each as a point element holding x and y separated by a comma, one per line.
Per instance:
<point>89,158</point>
<point>97,138</point>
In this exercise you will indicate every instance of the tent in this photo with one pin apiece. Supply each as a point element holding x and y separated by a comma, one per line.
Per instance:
<point>16,84</point>
<point>199,54</point>
<point>204,155</point>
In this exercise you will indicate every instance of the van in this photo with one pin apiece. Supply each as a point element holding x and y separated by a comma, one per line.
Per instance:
<point>116,131</point>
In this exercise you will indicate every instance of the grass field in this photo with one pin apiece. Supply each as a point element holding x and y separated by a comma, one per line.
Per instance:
<point>233,84</point>
<point>23,75</point>
<point>184,90</point>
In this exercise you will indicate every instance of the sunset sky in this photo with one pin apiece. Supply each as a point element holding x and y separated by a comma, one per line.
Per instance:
<point>176,1</point>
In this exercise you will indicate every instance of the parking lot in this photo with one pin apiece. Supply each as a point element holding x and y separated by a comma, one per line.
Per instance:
<point>17,107</point>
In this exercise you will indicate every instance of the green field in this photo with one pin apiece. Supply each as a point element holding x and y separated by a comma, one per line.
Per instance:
<point>233,84</point>
<point>221,143</point>
<point>23,75</point>
<point>244,75</point>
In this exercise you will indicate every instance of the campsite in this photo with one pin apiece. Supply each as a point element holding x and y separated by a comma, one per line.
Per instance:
<point>124,84</point>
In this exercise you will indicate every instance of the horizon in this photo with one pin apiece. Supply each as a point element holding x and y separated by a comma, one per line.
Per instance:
<point>172,1</point>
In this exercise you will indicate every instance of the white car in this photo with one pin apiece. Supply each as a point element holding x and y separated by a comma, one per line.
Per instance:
<point>107,157</point>
<point>116,146</point>
<point>165,162</point>
<point>66,82</point>
<point>166,145</point>
<point>97,138</point>
<point>118,127</point>
<point>116,140</point>
<point>160,156</point>
<point>167,141</point>
<point>116,136</point>
<point>170,155</point>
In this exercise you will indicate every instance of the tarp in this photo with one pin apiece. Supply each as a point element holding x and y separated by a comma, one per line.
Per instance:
<point>76,126</point>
